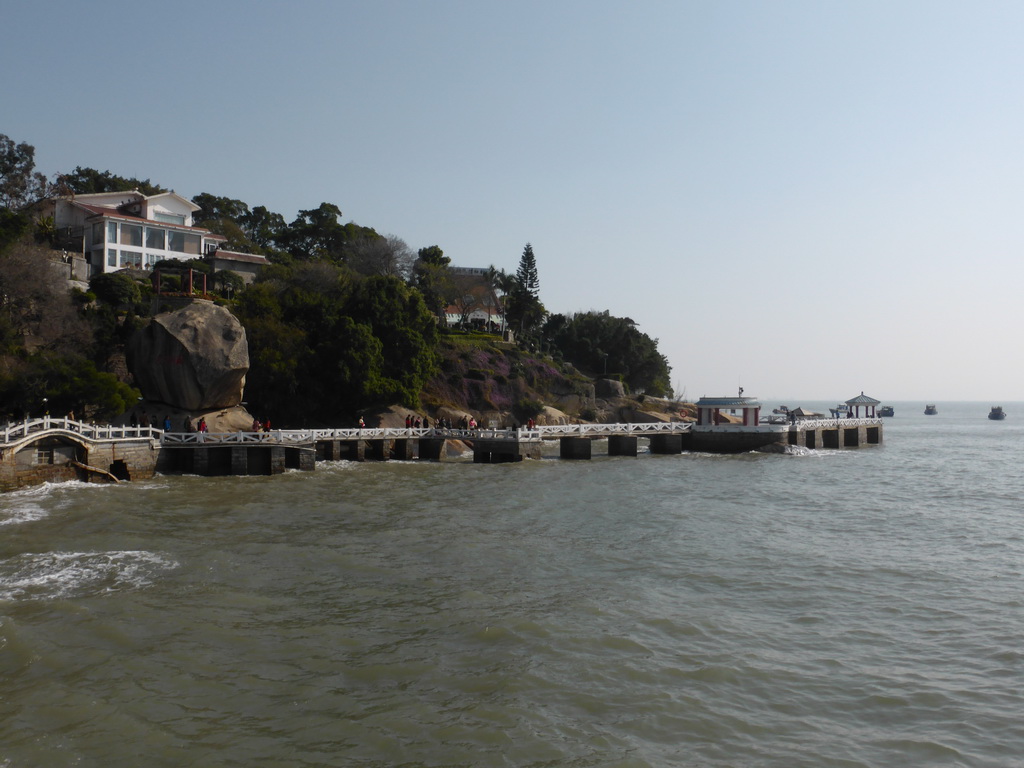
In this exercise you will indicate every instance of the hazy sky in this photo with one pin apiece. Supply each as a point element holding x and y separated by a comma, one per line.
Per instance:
<point>808,199</point>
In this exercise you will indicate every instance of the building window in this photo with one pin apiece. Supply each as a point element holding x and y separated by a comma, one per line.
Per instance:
<point>131,234</point>
<point>182,242</point>
<point>111,257</point>
<point>97,233</point>
<point>111,231</point>
<point>155,238</point>
<point>169,218</point>
<point>131,259</point>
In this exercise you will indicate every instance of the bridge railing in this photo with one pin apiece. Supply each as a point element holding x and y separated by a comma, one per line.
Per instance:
<point>837,423</point>
<point>605,430</point>
<point>19,430</point>
<point>522,434</point>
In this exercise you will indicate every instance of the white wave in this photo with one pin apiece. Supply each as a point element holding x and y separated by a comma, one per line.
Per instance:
<point>25,513</point>
<point>63,575</point>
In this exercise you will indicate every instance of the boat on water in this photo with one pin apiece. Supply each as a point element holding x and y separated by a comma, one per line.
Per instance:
<point>886,410</point>
<point>997,413</point>
<point>841,411</point>
<point>930,410</point>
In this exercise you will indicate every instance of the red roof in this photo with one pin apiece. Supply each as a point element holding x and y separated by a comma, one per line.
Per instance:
<point>252,258</point>
<point>114,213</point>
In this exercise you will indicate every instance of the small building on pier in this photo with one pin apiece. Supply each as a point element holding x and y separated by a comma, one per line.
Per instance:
<point>862,401</point>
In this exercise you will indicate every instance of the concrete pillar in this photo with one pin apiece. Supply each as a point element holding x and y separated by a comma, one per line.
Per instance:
<point>278,462</point>
<point>666,444</point>
<point>200,459</point>
<point>622,445</point>
<point>402,450</point>
<point>328,450</point>
<point>377,450</point>
<point>239,460</point>
<point>574,447</point>
<point>353,450</point>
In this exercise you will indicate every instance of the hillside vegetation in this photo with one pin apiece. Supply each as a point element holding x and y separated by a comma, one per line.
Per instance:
<point>345,320</point>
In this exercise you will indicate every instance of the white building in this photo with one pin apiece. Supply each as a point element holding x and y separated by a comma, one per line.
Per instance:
<point>131,230</point>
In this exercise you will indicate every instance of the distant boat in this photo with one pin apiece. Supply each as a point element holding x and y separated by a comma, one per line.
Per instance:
<point>930,410</point>
<point>886,410</point>
<point>841,411</point>
<point>783,409</point>
<point>997,414</point>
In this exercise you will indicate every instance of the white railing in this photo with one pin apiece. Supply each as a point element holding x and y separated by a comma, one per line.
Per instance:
<point>838,423</point>
<point>18,431</point>
<point>33,428</point>
<point>536,434</point>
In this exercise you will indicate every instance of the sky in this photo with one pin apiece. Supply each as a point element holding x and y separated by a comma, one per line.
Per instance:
<point>805,199</point>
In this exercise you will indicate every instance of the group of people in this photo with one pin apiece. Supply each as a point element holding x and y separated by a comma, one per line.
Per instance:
<point>260,426</point>
<point>144,419</point>
<point>199,427</point>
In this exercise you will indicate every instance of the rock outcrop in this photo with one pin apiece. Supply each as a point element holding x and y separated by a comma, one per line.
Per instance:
<point>194,359</point>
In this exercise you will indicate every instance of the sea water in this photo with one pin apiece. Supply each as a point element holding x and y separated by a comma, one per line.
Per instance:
<point>857,607</point>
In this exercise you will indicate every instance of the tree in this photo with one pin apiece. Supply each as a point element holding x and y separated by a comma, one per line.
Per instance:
<point>523,309</point>
<point>36,310</point>
<point>118,289</point>
<point>401,321</point>
<point>599,343</point>
<point>389,256</point>
<point>263,227</point>
<point>83,181</point>
<point>20,184</point>
<point>316,234</point>
<point>228,283</point>
<point>526,274</point>
<point>434,280</point>
<point>212,207</point>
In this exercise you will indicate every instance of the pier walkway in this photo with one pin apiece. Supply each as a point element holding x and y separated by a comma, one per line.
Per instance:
<point>37,450</point>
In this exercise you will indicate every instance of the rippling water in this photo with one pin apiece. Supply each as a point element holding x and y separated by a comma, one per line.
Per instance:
<point>837,608</point>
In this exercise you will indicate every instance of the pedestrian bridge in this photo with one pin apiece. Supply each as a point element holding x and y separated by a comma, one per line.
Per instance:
<point>37,450</point>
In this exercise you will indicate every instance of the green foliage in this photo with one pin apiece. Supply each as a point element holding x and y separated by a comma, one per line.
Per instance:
<point>20,184</point>
<point>434,256</point>
<point>526,408</point>
<point>264,228</point>
<point>68,382</point>
<point>526,274</point>
<point>601,344</point>
<point>228,283</point>
<point>434,281</point>
<point>212,207</point>
<point>13,226</point>
<point>83,181</point>
<point>318,235</point>
<point>524,312</point>
<point>117,289</point>
<point>324,346</point>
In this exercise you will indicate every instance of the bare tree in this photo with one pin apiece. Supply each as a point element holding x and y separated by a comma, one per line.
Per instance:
<point>389,256</point>
<point>35,306</point>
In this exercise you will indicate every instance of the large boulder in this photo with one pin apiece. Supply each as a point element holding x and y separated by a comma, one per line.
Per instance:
<point>194,359</point>
<point>605,388</point>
